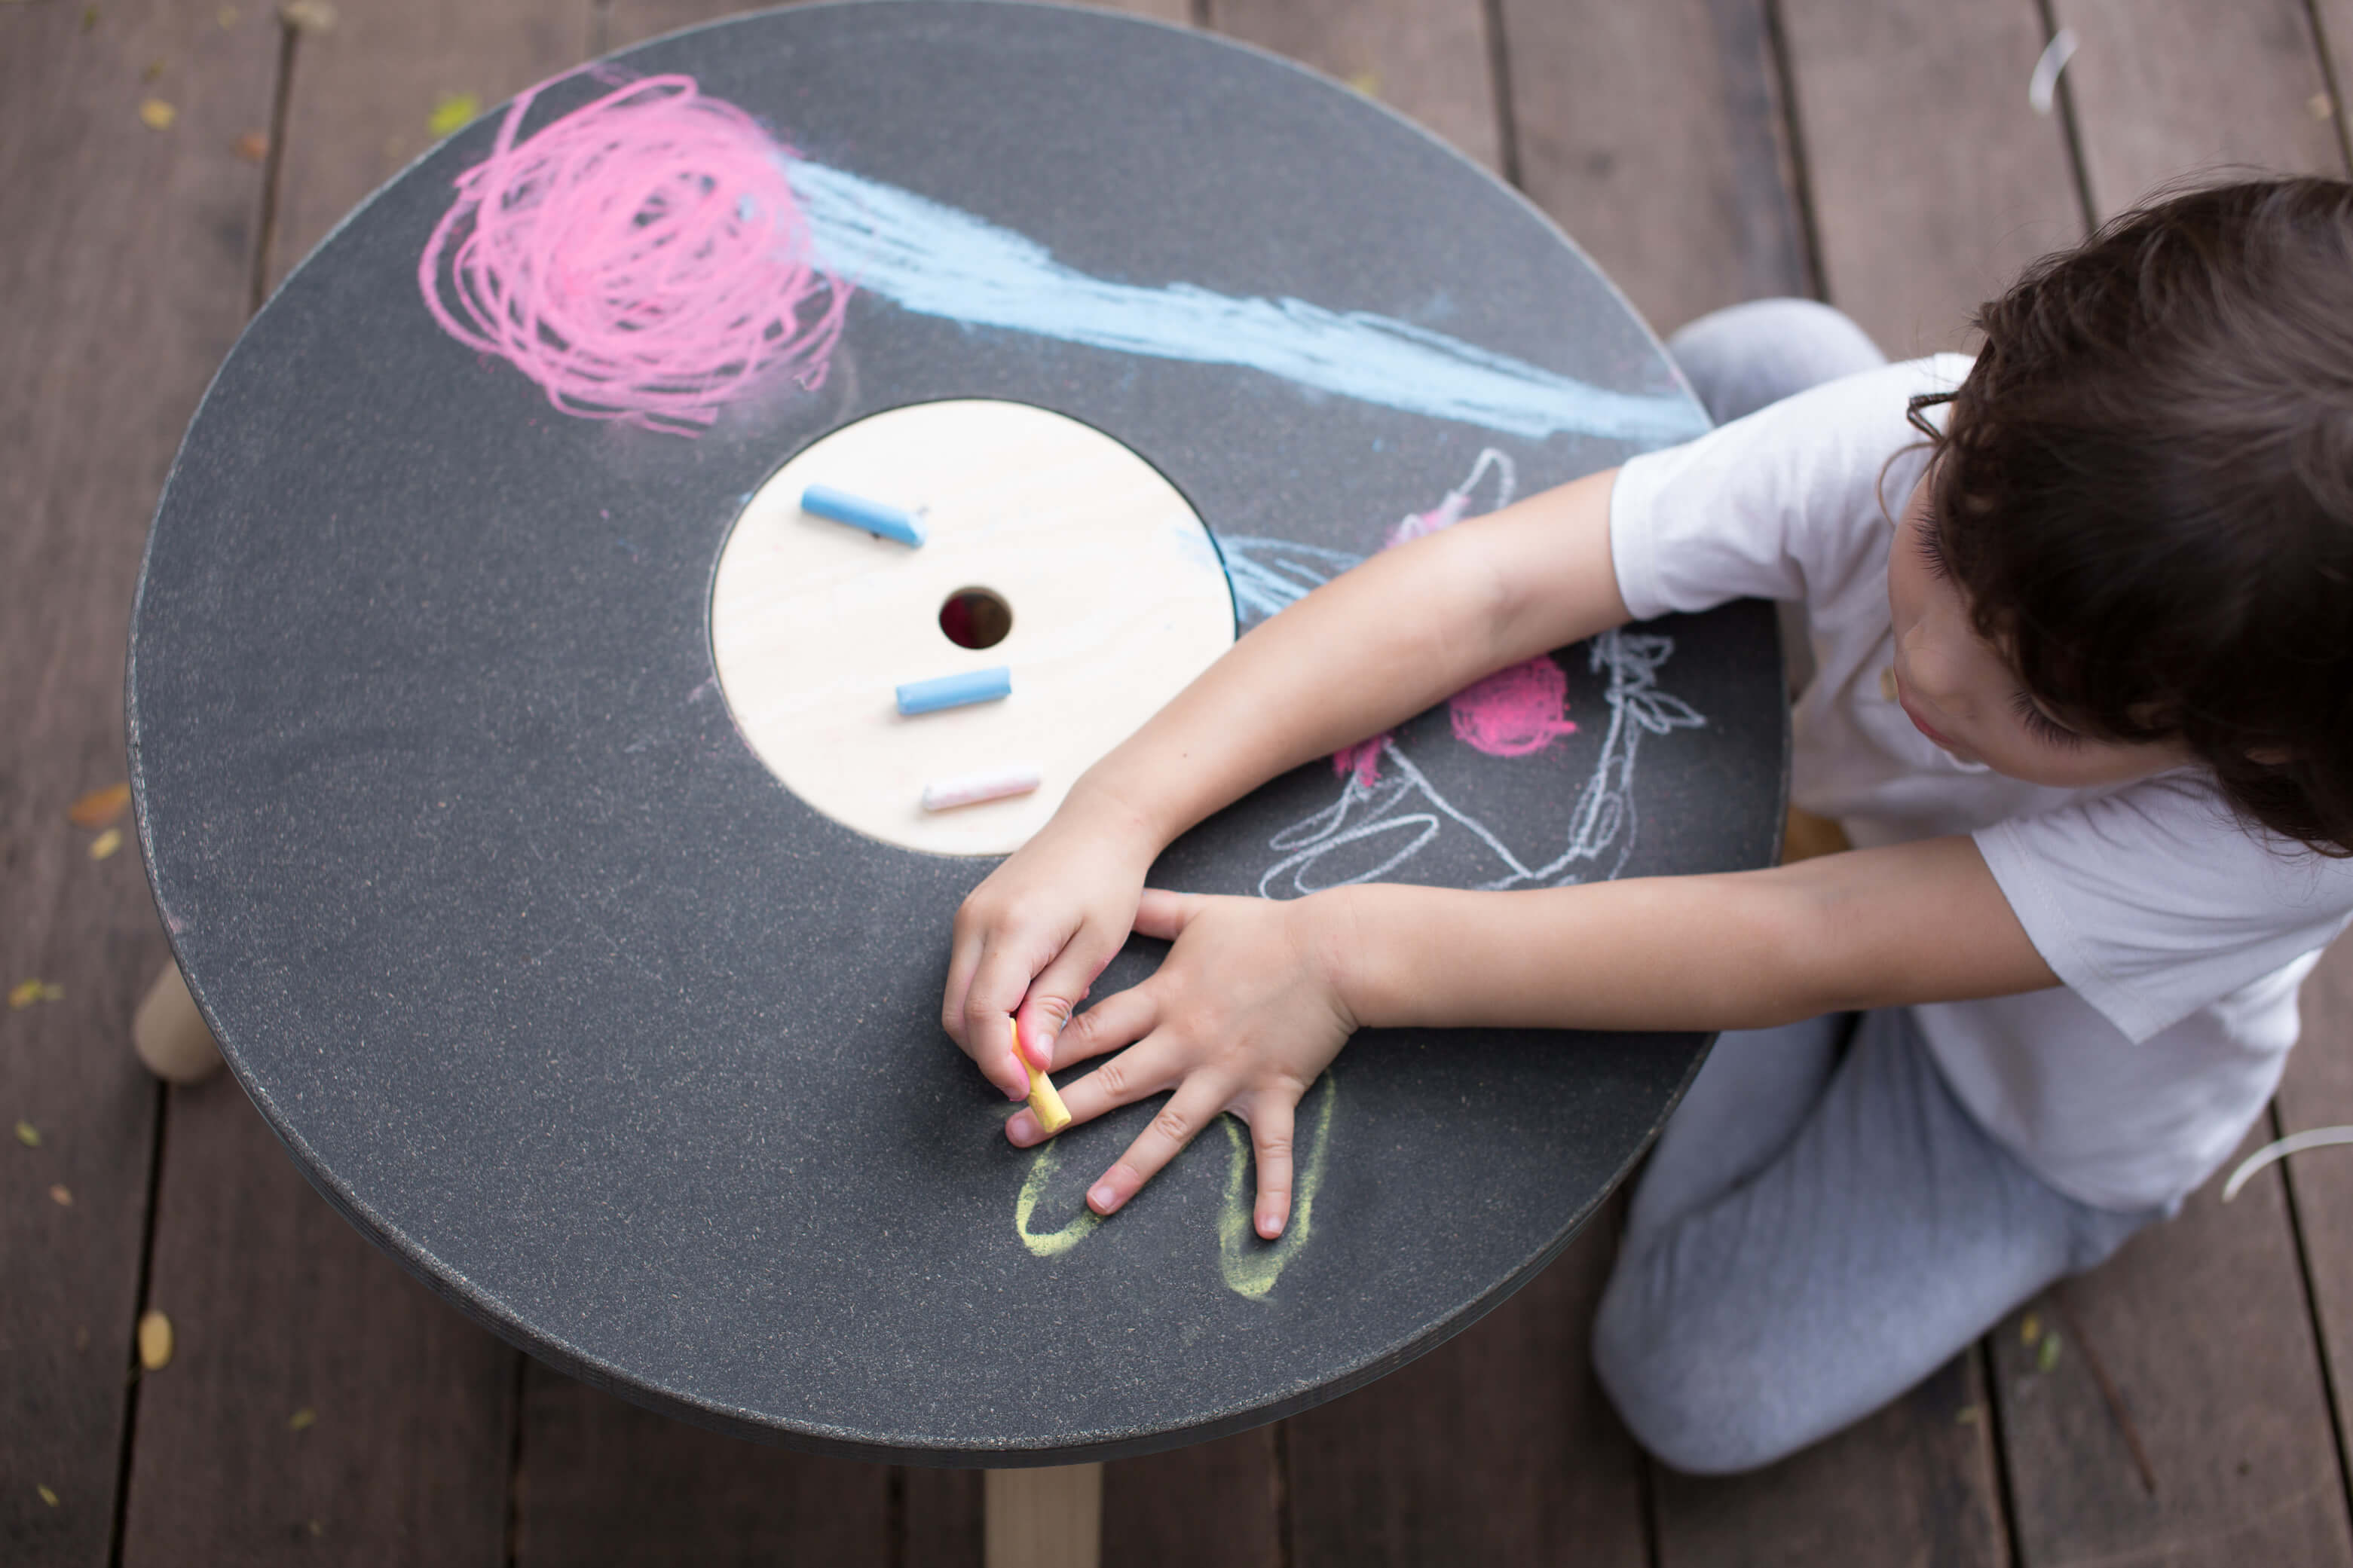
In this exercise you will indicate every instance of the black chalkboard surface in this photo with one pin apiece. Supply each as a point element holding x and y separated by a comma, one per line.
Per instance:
<point>559,996</point>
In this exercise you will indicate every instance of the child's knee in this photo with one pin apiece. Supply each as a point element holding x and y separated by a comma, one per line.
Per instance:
<point>1695,1403</point>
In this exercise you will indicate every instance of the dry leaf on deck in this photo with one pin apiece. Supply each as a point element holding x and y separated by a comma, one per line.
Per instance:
<point>28,1135</point>
<point>157,115</point>
<point>46,1495</point>
<point>155,1340</point>
<point>99,807</point>
<point>106,844</point>
<point>308,16</point>
<point>452,110</point>
<point>253,146</point>
<point>61,1196</point>
<point>2048,1356</point>
<point>302,1420</point>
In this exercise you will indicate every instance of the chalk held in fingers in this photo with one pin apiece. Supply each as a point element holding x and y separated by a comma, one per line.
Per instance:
<point>972,789</point>
<point>955,691</point>
<point>873,516</point>
<point>1045,1103</point>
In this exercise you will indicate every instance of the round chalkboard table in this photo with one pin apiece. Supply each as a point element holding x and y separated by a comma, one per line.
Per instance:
<point>561,894</point>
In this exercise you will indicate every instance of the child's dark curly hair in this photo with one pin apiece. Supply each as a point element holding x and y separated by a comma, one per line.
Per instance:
<point>2145,490</point>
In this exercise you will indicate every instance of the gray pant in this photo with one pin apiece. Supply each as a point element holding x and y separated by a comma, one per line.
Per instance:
<point>1818,1229</point>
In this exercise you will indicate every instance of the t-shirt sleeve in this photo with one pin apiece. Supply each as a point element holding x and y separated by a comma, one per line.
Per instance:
<point>2154,902</point>
<point>1775,506</point>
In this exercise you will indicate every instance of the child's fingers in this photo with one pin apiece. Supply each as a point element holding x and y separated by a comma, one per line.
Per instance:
<point>1268,1116</point>
<point>1137,1073</point>
<point>1120,1019</point>
<point>964,957</point>
<point>1058,989</point>
<point>997,983</point>
<point>1188,1110</point>
<point>1163,914</point>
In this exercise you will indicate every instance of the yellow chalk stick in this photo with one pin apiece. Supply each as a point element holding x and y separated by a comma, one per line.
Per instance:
<point>1051,1113</point>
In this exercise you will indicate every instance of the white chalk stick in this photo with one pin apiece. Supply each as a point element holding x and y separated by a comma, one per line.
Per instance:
<point>971,789</point>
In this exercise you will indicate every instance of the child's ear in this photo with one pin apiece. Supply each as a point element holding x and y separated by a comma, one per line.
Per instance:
<point>2271,756</point>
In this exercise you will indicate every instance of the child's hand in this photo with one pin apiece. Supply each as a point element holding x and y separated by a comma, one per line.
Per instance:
<point>1243,1015</point>
<point>1031,939</point>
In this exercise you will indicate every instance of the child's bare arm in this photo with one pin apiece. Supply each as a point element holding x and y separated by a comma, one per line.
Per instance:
<point>1403,631</point>
<point>1257,997</point>
<point>1923,922</point>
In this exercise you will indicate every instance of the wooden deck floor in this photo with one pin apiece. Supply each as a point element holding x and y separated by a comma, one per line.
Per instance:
<point>322,1407</point>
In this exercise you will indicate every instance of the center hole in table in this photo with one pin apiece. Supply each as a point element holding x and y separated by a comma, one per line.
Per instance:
<point>976,618</point>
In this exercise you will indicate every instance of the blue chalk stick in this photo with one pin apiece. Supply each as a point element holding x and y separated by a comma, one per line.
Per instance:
<point>859,513</point>
<point>955,691</point>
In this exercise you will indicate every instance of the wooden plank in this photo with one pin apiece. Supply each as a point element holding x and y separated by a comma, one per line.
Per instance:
<point>366,88</point>
<point>1499,1446</point>
<point>281,1307</point>
<point>1933,182</point>
<point>602,1480</point>
<point>124,258</point>
<point>940,1518</point>
<point>1915,1483</point>
<point>2166,88</point>
<point>1212,1503</point>
<point>1662,124</point>
<point>318,1401</point>
<point>2332,22</point>
<point>1430,61</point>
<point>2201,1326</point>
<point>1654,135</point>
<point>2317,1092</point>
<point>621,23</point>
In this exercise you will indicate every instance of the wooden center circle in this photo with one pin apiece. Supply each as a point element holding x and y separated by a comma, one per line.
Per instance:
<point>1116,599</point>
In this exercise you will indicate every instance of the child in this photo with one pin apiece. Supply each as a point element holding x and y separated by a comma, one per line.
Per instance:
<point>2082,615</point>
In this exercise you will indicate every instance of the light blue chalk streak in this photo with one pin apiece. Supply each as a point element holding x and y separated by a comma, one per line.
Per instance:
<point>935,260</point>
<point>955,691</point>
<point>1271,574</point>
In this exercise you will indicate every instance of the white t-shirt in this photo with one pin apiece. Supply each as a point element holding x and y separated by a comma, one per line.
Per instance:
<point>2180,934</point>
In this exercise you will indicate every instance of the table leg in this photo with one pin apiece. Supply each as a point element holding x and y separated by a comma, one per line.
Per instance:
<point>169,1034</point>
<point>1044,1518</point>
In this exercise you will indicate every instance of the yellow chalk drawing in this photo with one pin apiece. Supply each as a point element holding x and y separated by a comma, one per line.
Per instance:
<point>1053,1243</point>
<point>1252,1266</point>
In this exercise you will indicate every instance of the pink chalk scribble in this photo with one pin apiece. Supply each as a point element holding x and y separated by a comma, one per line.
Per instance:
<point>640,258</point>
<point>1362,759</point>
<point>1514,712</point>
